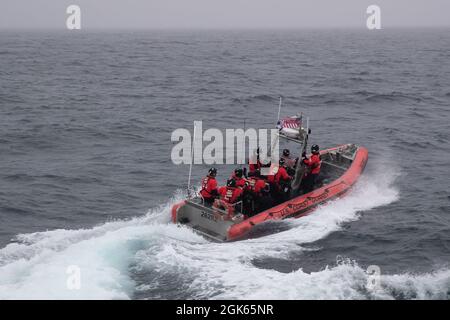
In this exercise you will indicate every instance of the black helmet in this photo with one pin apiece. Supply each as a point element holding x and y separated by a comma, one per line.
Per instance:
<point>212,172</point>
<point>238,173</point>
<point>315,148</point>
<point>231,183</point>
<point>286,152</point>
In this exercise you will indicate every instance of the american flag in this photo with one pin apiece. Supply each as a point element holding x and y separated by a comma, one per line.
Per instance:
<point>291,123</point>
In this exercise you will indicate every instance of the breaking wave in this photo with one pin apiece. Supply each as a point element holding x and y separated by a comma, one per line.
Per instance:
<point>142,257</point>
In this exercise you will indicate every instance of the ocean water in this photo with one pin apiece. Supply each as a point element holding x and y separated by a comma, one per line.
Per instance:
<point>86,178</point>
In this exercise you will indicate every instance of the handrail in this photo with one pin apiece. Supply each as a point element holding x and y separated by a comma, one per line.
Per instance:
<point>199,195</point>
<point>223,212</point>
<point>334,165</point>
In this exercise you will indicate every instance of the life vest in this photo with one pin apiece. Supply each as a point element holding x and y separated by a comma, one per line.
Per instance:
<point>209,187</point>
<point>314,163</point>
<point>230,194</point>
<point>228,198</point>
<point>240,182</point>
<point>282,175</point>
<point>256,185</point>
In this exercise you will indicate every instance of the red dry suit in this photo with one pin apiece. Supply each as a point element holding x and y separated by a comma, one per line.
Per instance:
<point>240,182</point>
<point>256,185</point>
<point>313,163</point>
<point>230,194</point>
<point>209,188</point>
<point>280,175</point>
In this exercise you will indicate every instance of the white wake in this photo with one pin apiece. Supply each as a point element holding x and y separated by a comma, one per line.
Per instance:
<point>35,267</point>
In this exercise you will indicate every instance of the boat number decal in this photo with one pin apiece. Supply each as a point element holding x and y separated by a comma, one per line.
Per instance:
<point>208,216</point>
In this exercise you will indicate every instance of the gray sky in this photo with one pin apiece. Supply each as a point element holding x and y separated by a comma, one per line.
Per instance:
<point>193,14</point>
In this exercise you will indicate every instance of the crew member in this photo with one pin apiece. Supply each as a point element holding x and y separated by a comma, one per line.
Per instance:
<point>279,182</point>
<point>283,180</point>
<point>289,162</point>
<point>231,193</point>
<point>280,174</point>
<point>258,195</point>
<point>229,196</point>
<point>256,184</point>
<point>238,176</point>
<point>209,186</point>
<point>313,164</point>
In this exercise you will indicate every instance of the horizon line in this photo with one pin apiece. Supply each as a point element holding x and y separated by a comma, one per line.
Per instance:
<point>178,29</point>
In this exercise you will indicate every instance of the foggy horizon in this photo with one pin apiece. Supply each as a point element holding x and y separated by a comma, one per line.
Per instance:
<point>106,15</point>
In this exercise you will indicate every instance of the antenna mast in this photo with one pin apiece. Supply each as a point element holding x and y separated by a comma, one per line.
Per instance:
<point>191,162</point>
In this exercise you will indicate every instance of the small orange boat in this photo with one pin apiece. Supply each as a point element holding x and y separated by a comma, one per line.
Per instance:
<point>341,168</point>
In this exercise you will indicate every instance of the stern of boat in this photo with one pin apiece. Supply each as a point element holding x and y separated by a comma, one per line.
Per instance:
<point>205,220</point>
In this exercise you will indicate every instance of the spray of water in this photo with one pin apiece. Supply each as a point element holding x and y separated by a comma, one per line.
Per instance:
<point>108,255</point>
